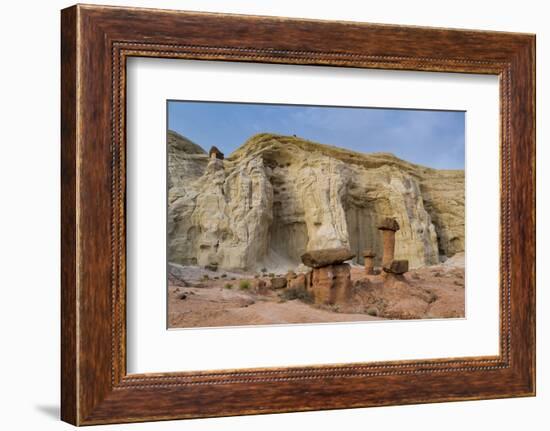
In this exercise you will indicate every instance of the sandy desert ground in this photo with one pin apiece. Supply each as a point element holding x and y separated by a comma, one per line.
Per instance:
<point>198,297</point>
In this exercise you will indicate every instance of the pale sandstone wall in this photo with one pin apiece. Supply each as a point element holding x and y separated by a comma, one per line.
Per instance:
<point>277,196</point>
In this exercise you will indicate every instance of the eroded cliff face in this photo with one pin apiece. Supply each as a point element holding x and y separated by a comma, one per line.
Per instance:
<point>277,196</point>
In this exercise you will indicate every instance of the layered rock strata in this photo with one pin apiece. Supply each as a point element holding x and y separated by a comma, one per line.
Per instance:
<point>277,196</point>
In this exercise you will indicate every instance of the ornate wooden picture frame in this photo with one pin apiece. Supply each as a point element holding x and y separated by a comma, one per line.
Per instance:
<point>96,41</point>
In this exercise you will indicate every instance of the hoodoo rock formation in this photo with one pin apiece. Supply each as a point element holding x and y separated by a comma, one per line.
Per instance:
<point>330,278</point>
<point>331,284</point>
<point>388,227</point>
<point>368,256</point>
<point>397,267</point>
<point>277,196</point>
<point>331,256</point>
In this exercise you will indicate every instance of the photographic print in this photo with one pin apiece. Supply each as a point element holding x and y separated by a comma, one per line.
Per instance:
<point>295,214</point>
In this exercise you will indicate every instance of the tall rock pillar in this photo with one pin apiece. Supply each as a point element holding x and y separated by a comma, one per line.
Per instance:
<point>369,256</point>
<point>388,226</point>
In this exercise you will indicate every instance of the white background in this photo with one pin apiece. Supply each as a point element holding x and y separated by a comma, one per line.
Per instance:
<point>29,220</point>
<point>151,348</point>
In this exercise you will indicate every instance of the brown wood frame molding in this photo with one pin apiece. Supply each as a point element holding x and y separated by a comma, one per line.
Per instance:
<point>95,43</point>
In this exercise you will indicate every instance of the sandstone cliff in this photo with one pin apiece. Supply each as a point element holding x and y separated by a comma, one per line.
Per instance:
<point>277,196</point>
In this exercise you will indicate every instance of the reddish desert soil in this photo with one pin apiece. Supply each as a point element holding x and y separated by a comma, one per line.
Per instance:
<point>429,292</point>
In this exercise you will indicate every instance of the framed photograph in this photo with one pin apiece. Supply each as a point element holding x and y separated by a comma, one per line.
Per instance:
<point>265,235</point>
<point>265,214</point>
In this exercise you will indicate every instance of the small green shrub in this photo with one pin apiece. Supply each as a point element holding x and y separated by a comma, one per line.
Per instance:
<point>264,270</point>
<point>244,285</point>
<point>224,275</point>
<point>212,266</point>
<point>372,311</point>
<point>205,277</point>
<point>228,285</point>
<point>297,293</point>
<point>271,274</point>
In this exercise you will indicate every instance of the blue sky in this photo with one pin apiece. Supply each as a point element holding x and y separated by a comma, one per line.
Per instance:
<point>429,138</point>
